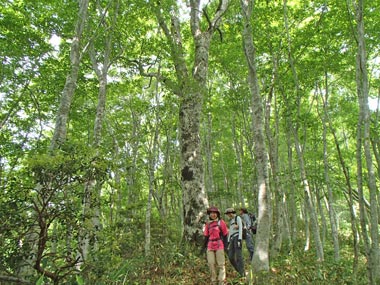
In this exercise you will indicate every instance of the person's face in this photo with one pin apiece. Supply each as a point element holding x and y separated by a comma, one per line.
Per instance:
<point>230,215</point>
<point>213,215</point>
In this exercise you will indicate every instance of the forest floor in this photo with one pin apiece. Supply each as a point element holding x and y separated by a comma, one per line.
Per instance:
<point>288,269</point>
<point>193,271</point>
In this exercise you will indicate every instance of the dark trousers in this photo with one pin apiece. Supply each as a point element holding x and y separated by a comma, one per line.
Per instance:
<point>235,255</point>
<point>250,245</point>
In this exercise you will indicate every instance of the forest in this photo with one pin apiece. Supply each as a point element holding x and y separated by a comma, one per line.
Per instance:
<point>123,121</point>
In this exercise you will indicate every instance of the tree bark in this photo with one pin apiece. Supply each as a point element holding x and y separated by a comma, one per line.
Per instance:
<point>152,152</point>
<point>92,189</point>
<point>292,204</point>
<point>280,208</point>
<point>330,197</point>
<point>310,208</point>
<point>260,260</point>
<point>191,90</point>
<point>349,197</point>
<point>363,136</point>
<point>238,155</point>
<point>209,183</point>
<point>60,129</point>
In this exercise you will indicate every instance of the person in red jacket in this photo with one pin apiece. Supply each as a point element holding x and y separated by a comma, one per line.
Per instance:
<point>216,234</point>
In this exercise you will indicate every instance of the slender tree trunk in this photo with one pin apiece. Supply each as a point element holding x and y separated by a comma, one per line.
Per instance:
<point>115,207</point>
<point>307,225</point>
<point>238,155</point>
<point>260,262</point>
<point>60,129</point>
<point>279,211</point>
<point>247,142</point>
<point>373,252</point>
<point>91,205</point>
<point>375,137</point>
<point>375,143</point>
<point>318,201</point>
<point>133,151</point>
<point>330,197</point>
<point>349,197</point>
<point>375,148</point>
<point>292,204</point>
<point>310,208</point>
<point>153,156</point>
<point>208,153</point>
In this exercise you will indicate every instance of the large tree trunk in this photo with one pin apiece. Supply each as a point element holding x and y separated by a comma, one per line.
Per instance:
<point>194,195</point>
<point>191,89</point>
<point>373,253</point>
<point>260,260</point>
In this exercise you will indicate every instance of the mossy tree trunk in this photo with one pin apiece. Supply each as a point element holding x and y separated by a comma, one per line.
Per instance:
<point>190,86</point>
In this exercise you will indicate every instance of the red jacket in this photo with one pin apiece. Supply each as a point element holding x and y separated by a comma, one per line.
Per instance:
<point>212,231</point>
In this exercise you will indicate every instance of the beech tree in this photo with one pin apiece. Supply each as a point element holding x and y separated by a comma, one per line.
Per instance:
<point>190,87</point>
<point>60,130</point>
<point>363,142</point>
<point>260,261</point>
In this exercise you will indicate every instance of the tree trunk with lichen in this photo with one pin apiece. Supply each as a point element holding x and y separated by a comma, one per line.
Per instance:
<point>191,87</point>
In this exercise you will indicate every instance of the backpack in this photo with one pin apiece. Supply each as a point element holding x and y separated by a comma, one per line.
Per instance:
<point>222,237</point>
<point>253,227</point>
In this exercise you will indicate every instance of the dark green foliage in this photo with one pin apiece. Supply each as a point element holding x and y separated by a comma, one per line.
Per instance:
<point>43,206</point>
<point>14,208</point>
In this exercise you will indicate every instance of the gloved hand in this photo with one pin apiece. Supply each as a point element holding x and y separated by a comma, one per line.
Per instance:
<point>204,247</point>
<point>239,243</point>
<point>226,245</point>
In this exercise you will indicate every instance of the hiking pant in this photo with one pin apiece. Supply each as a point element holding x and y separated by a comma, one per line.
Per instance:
<point>235,255</point>
<point>216,262</point>
<point>250,245</point>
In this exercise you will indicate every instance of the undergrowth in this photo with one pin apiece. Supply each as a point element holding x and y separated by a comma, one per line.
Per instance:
<point>172,264</point>
<point>122,261</point>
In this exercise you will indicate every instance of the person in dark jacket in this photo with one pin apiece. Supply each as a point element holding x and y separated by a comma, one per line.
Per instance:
<point>235,237</point>
<point>249,239</point>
